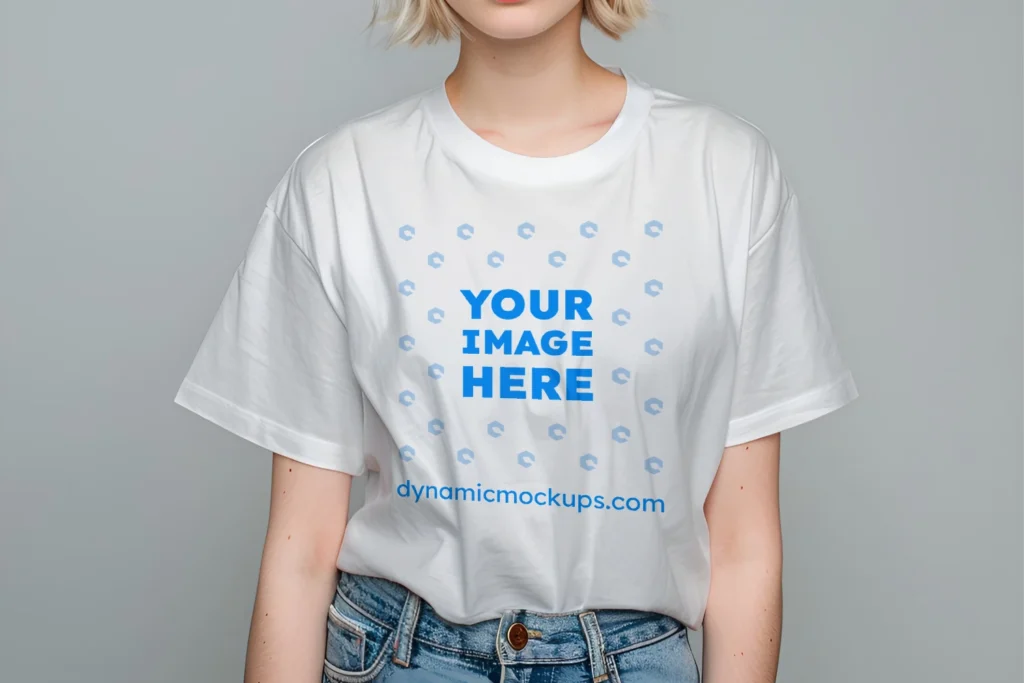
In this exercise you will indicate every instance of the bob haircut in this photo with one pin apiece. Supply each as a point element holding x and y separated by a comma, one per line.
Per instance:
<point>426,21</point>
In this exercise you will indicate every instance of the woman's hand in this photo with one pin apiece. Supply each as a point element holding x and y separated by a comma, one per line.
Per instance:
<point>743,621</point>
<point>298,573</point>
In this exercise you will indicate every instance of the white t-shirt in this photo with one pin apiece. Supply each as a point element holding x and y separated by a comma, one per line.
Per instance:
<point>536,361</point>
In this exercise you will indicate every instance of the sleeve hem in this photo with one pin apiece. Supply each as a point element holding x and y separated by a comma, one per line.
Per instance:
<point>275,437</point>
<point>793,412</point>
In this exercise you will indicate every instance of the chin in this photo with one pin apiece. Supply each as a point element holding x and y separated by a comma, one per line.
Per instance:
<point>514,19</point>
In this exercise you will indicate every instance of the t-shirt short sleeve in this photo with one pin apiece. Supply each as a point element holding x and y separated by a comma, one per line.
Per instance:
<point>274,366</point>
<point>789,369</point>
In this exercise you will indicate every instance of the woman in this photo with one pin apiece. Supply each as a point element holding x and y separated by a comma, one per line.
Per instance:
<point>558,318</point>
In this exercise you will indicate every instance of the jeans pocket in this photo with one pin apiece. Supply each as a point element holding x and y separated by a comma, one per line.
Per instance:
<point>356,645</point>
<point>668,660</point>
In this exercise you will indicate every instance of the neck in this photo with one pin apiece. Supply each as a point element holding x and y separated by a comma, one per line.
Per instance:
<point>526,79</point>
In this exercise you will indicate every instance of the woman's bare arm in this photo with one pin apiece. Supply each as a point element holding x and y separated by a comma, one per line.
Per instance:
<point>743,622</point>
<point>308,513</point>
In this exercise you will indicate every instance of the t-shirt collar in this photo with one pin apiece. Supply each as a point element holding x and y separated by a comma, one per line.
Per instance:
<point>471,150</point>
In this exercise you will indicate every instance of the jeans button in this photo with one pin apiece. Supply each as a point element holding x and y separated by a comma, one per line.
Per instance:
<point>517,636</point>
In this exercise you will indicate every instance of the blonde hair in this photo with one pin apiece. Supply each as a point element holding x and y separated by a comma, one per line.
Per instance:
<point>427,21</point>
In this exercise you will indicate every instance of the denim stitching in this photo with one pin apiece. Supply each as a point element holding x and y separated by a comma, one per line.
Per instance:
<point>542,660</point>
<point>644,643</point>
<point>333,673</point>
<point>362,611</point>
<point>613,670</point>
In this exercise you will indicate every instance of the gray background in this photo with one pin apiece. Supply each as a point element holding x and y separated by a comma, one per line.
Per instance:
<point>140,140</point>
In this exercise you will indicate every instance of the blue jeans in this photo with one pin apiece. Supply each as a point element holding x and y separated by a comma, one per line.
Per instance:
<point>379,631</point>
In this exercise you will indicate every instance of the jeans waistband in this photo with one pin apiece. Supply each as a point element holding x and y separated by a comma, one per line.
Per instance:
<point>553,638</point>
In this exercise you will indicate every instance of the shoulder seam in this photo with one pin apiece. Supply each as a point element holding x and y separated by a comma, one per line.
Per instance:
<point>309,262</point>
<point>775,222</point>
<point>291,238</point>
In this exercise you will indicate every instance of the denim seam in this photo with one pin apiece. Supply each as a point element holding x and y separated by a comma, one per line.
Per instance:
<point>406,630</point>
<point>479,655</point>
<point>456,650</point>
<point>363,611</point>
<point>334,673</point>
<point>344,623</point>
<point>613,670</point>
<point>644,643</point>
<point>425,641</point>
<point>595,647</point>
<point>545,660</point>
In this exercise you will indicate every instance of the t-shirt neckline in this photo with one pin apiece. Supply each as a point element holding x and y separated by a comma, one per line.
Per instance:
<point>485,157</point>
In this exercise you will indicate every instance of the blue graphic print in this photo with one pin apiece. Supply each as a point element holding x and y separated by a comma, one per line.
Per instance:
<point>653,406</point>
<point>653,465</point>
<point>620,434</point>
<point>518,381</point>
<point>653,347</point>
<point>653,228</point>
<point>497,354</point>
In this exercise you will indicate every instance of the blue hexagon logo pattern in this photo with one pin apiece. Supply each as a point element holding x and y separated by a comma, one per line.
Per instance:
<point>557,259</point>
<point>654,406</point>
<point>652,347</point>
